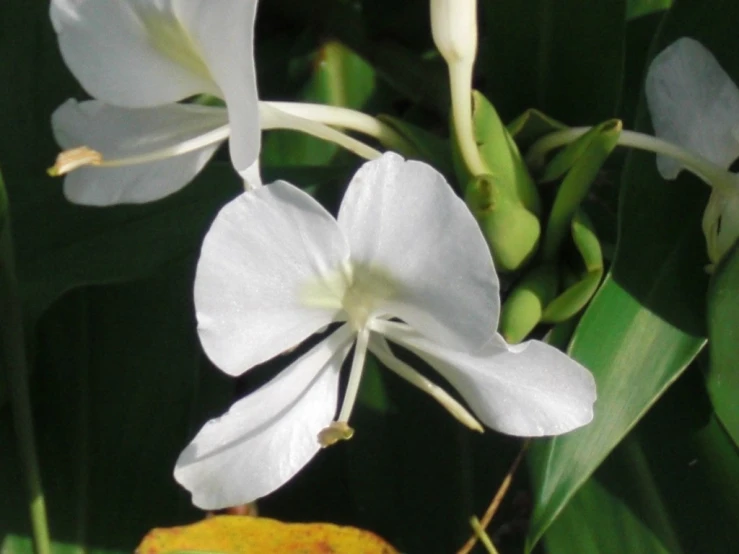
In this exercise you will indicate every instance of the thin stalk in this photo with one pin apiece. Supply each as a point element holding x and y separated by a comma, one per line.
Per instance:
<point>497,500</point>
<point>355,375</point>
<point>272,118</point>
<point>14,350</point>
<point>705,170</point>
<point>460,81</point>
<point>380,348</point>
<point>346,118</point>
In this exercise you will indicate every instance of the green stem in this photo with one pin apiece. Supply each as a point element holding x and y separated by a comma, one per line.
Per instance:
<point>460,81</point>
<point>712,174</point>
<point>14,350</point>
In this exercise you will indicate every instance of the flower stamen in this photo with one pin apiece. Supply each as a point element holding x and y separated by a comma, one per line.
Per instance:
<point>337,431</point>
<point>69,160</point>
<point>72,159</point>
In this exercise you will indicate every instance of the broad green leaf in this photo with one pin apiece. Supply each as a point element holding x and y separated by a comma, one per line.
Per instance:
<point>639,333</point>
<point>62,246</point>
<point>723,321</point>
<point>672,486</point>
<point>646,323</point>
<point>564,57</point>
<point>120,385</point>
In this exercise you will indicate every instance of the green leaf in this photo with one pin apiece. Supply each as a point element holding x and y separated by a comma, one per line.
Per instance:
<point>120,385</point>
<point>647,322</point>
<point>723,321</point>
<point>670,487</point>
<point>564,57</point>
<point>639,8</point>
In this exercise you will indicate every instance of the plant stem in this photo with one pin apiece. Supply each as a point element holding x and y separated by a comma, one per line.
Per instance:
<point>710,173</point>
<point>346,118</point>
<point>460,81</point>
<point>497,499</point>
<point>273,118</point>
<point>14,360</point>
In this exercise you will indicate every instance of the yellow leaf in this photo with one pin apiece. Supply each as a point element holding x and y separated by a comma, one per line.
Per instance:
<point>249,535</point>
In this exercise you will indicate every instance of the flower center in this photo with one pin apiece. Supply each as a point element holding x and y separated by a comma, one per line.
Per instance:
<point>357,290</point>
<point>370,287</point>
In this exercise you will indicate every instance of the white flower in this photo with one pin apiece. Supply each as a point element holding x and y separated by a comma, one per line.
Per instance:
<point>138,58</point>
<point>404,261</point>
<point>695,104</point>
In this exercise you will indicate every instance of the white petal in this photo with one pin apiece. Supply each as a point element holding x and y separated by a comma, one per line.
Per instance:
<point>403,220</point>
<point>531,389</point>
<point>225,30</point>
<point>268,276</point>
<point>142,53</point>
<point>135,53</point>
<point>122,133</point>
<point>693,103</point>
<point>268,436</point>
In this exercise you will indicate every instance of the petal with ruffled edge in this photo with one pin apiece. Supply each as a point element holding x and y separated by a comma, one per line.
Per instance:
<point>530,389</point>
<point>693,103</point>
<point>269,275</point>
<point>404,222</point>
<point>142,53</point>
<point>268,436</point>
<point>119,133</point>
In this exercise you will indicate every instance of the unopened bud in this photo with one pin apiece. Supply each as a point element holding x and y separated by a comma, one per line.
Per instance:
<point>454,28</point>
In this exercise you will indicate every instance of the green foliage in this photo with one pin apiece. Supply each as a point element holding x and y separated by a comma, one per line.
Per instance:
<point>723,375</point>
<point>119,382</point>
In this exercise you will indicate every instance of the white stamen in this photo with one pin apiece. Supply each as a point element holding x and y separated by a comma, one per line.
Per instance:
<point>380,348</point>
<point>355,375</point>
<point>63,165</point>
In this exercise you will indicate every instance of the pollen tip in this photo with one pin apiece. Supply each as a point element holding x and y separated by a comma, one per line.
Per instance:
<point>72,159</point>
<point>337,431</point>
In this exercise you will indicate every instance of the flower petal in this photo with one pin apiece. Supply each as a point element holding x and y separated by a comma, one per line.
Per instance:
<point>142,53</point>
<point>268,276</point>
<point>134,53</point>
<point>268,436</point>
<point>119,133</point>
<point>530,389</point>
<point>693,103</point>
<point>403,220</point>
<point>225,30</point>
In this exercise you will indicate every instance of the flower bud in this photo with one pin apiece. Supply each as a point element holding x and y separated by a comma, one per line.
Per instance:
<point>454,28</point>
